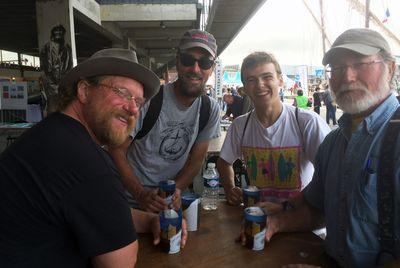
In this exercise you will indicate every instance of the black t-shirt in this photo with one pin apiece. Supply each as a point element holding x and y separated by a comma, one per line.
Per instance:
<point>317,99</point>
<point>61,200</point>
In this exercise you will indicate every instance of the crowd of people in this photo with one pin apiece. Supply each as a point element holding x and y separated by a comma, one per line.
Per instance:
<point>78,186</point>
<point>235,102</point>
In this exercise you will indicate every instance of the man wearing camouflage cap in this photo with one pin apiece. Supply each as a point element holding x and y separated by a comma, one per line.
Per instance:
<point>353,189</point>
<point>175,146</point>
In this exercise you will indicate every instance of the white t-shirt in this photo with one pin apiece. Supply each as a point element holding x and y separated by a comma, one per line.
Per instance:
<point>278,158</point>
<point>162,153</point>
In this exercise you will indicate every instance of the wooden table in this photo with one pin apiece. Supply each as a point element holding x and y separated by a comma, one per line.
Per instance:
<point>213,246</point>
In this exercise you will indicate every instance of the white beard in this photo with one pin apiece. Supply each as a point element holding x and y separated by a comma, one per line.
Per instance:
<point>349,100</point>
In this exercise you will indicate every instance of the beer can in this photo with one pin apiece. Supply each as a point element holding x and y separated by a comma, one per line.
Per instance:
<point>171,230</point>
<point>166,190</point>
<point>255,227</point>
<point>251,196</point>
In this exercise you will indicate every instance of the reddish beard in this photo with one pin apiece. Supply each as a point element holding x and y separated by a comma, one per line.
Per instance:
<point>106,132</point>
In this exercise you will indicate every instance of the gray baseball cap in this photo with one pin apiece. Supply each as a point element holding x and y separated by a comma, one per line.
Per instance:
<point>363,41</point>
<point>199,38</point>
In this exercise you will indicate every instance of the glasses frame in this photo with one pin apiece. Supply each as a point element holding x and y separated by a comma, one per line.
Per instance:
<point>125,94</point>
<point>340,70</point>
<point>205,63</point>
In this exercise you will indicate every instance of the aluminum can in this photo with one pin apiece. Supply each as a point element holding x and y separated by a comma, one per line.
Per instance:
<point>251,196</point>
<point>167,190</point>
<point>255,227</point>
<point>171,230</point>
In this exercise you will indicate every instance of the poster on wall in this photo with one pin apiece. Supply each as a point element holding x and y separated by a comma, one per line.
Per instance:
<point>13,95</point>
<point>6,92</point>
<point>232,78</point>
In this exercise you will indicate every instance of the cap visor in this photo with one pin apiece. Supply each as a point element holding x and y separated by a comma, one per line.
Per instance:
<point>358,48</point>
<point>197,44</point>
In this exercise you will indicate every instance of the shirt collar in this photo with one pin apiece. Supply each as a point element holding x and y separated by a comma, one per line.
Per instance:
<point>374,121</point>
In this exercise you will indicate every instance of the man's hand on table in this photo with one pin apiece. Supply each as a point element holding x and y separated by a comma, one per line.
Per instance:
<point>234,196</point>
<point>272,225</point>
<point>156,230</point>
<point>270,208</point>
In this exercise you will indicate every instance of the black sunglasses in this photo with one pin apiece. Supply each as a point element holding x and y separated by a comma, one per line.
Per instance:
<point>188,60</point>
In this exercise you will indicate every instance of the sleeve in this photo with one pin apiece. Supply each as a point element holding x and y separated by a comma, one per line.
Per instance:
<point>212,129</point>
<point>231,150</point>
<point>314,132</point>
<point>99,216</point>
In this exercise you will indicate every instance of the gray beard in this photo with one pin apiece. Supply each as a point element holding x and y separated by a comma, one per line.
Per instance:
<point>184,89</point>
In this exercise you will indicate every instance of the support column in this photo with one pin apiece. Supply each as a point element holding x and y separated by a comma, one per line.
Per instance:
<point>166,74</point>
<point>21,68</point>
<point>126,42</point>
<point>56,38</point>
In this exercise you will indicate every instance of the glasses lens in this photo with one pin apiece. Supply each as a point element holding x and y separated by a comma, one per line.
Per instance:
<point>187,60</point>
<point>205,63</point>
<point>139,102</point>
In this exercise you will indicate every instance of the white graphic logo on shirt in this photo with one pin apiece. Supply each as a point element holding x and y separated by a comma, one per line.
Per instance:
<point>175,141</point>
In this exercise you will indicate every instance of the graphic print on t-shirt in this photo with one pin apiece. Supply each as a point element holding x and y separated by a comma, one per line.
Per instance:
<point>174,140</point>
<point>274,170</point>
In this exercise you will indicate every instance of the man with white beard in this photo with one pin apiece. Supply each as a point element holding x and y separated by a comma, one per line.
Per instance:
<point>348,188</point>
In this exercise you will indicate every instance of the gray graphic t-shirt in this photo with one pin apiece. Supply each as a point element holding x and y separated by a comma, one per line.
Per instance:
<point>162,153</point>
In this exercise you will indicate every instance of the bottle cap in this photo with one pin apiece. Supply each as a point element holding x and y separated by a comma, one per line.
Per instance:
<point>211,165</point>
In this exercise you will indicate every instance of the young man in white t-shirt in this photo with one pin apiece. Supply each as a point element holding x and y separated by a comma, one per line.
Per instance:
<point>277,146</point>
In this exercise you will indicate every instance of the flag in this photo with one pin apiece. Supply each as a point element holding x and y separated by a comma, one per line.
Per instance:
<point>387,15</point>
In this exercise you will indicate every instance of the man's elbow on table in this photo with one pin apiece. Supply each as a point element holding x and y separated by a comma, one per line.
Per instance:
<point>123,257</point>
<point>302,217</point>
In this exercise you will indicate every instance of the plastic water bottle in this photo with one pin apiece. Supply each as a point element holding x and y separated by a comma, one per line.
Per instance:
<point>210,193</point>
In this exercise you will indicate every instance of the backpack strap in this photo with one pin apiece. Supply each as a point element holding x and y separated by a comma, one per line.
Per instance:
<point>204,112</point>
<point>244,129</point>
<point>155,108</point>
<point>385,192</point>
<point>244,167</point>
<point>152,114</point>
<point>296,112</point>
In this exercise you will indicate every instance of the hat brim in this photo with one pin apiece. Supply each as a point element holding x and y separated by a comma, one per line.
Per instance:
<point>113,66</point>
<point>358,48</point>
<point>197,44</point>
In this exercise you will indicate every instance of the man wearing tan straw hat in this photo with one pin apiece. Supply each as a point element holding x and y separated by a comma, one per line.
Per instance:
<point>355,189</point>
<point>175,145</point>
<point>61,199</point>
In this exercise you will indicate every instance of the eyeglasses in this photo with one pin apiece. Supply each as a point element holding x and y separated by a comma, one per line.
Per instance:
<point>188,60</point>
<point>339,70</point>
<point>125,94</point>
